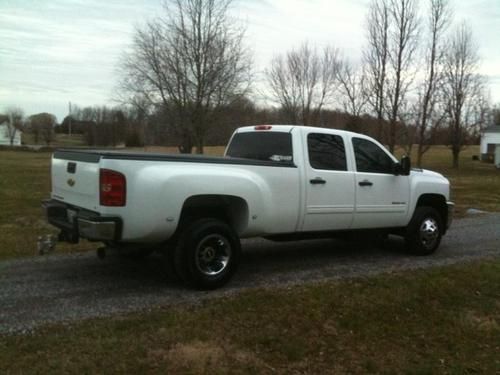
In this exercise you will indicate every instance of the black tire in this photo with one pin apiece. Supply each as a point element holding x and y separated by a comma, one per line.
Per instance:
<point>424,232</point>
<point>207,254</point>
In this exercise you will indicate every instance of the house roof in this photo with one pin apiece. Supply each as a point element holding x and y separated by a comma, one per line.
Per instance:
<point>492,129</point>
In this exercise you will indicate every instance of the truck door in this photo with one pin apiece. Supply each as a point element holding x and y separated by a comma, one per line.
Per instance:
<point>330,188</point>
<point>381,197</point>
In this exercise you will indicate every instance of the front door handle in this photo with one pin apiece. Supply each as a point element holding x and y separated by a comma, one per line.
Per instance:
<point>365,183</point>
<point>317,181</point>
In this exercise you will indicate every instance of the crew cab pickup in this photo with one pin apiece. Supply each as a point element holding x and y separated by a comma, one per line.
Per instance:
<point>275,181</point>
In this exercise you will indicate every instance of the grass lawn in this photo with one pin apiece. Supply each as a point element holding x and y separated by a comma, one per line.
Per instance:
<point>24,183</point>
<point>60,140</point>
<point>443,320</point>
<point>473,185</point>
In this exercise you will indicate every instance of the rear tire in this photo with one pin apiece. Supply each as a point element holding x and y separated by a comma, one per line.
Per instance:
<point>424,232</point>
<point>207,254</point>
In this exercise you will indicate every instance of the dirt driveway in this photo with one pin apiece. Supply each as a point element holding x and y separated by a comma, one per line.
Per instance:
<point>59,288</point>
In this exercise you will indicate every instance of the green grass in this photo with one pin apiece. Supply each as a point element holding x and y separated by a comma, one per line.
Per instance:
<point>25,181</point>
<point>60,140</point>
<point>474,184</point>
<point>445,320</point>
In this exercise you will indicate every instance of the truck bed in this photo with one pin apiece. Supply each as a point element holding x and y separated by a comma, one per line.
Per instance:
<point>94,155</point>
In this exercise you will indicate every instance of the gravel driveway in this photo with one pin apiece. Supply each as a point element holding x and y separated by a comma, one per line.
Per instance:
<point>59,288</point>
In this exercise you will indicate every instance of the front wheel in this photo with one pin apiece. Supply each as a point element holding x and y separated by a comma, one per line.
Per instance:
<point>423,234</point>
<point>207,254</point>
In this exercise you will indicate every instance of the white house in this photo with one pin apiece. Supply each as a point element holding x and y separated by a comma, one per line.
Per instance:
<point>490,144</point>
<point>4,135</point>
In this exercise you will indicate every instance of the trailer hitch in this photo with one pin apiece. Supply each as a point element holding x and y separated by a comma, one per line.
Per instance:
<point>46,244</point>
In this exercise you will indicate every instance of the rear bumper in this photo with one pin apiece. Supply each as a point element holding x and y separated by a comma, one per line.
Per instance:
<point>76,222</point>
<point>451,209</point>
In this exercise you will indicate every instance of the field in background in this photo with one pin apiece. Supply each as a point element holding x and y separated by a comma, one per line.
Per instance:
<point>60,140</point>
<point>25,181</point>
<point>439,321</point>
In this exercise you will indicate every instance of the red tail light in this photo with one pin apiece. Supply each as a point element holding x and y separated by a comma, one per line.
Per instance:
<point>112,188</point>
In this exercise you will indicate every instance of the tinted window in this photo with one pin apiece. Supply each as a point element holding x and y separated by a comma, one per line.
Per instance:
<point>262,145</point>
<point>326,151</point>
<point>370,157</point>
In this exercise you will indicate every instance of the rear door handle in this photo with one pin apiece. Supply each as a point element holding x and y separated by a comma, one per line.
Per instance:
<point>317,181</point>
<point>365,183</point>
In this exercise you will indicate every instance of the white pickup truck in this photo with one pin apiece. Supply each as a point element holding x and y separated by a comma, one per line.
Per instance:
<point>275,181</point>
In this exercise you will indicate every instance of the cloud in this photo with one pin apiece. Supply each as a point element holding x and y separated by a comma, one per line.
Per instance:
<point>60,50</point>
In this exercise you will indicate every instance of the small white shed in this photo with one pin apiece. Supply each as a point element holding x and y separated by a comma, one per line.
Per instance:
<point>5,138</point>
<point>490,145</point>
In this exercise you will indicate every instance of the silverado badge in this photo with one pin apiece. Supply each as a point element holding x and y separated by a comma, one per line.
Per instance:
<point>71,182</point>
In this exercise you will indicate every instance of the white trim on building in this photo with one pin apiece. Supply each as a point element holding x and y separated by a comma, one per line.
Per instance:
<point>490,145</point>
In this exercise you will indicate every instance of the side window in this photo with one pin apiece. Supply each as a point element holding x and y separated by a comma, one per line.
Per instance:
<point>326,151</point>
<point>370,157</point>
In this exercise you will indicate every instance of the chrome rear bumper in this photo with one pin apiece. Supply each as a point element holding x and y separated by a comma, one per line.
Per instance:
<point>76,222</point>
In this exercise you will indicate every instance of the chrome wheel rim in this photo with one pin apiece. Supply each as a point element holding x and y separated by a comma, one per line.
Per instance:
<point>429,233</point>
<point>213,254</point>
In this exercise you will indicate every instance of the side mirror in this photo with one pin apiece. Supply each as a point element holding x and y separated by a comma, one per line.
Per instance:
<point>403,167</point>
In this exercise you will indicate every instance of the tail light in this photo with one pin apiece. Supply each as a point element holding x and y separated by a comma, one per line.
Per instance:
<point>112,188</point>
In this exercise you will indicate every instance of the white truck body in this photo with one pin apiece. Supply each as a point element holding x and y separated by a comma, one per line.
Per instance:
<point>285,195</point>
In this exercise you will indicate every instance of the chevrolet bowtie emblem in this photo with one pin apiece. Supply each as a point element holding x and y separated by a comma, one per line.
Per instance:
<point>71,182</point>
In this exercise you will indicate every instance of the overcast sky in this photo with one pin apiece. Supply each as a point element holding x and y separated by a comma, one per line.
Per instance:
<point>56,51</point>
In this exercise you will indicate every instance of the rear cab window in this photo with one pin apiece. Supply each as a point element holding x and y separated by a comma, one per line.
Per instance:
<point>263,146</point>
<point>326,152</point>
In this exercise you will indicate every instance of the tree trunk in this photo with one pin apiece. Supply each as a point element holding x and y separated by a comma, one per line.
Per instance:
<point>456,153</point>
<point>420,154</point>
<point>186,146</point>
<point>199,146</point>
<point>392,136</point>
<point>380,128</point>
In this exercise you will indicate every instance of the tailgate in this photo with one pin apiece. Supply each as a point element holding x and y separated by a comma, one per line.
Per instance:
<point>75,178</point>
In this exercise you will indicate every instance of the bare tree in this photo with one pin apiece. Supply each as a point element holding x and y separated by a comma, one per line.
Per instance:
<point>479,115</point>
<point>495,114</point>
<point>375,59</point>
<point>462,85</point>
<point>191,60</point>
<point>403,45</point>
<point>303,81</point>
<point>14,122</point>
<point>42,124</point>
<point>353,86</point>
<point>427,119</point>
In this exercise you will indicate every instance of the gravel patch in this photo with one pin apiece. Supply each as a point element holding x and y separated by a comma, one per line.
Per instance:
<point>65,288</point>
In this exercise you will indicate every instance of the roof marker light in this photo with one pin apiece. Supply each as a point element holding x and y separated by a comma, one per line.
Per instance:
<point>263,127</point>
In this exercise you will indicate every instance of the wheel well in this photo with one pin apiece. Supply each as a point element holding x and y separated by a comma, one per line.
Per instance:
<point>436,201</point>
<point>228,208</point>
